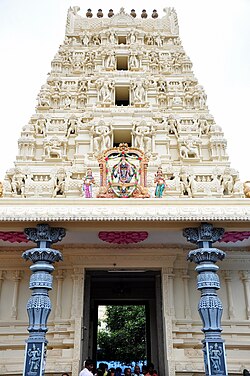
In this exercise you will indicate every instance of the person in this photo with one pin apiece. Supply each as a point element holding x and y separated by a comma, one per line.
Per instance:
<point>65,374</point>
<point>118,371</point>
<point>151,369</point>
<point>127,371</point>
<point>88,368</point>
<point>111,372</point>
<point>246,372</point>
<point>145,371</point>
<point>137,371</point>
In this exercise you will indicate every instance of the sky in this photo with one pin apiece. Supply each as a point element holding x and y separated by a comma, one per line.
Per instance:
<point>215,34</point>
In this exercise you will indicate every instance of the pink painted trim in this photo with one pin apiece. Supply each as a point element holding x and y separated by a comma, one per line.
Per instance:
<point>123,237</point>
<point>13,237</point>
<point>235,236</point>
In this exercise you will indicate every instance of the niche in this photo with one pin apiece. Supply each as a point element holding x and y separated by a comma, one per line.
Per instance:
<point>122,96</point>
<point>122,63</point>
<point>122,39</point>
<point>122,136</point>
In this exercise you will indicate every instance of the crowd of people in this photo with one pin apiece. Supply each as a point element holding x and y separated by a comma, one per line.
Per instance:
<point>102,370</point>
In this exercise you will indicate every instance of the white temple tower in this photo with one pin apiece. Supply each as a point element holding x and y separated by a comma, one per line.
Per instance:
<point>122,115</point>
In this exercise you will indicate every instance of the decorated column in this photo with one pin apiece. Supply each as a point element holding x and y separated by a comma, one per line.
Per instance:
<point>210,307</point>
<point>39,305</point>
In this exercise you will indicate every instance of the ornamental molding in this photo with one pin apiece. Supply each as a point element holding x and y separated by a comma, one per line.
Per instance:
<point>125,210</point>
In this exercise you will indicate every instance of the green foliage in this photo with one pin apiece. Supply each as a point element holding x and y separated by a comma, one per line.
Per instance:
<point>124,339</point>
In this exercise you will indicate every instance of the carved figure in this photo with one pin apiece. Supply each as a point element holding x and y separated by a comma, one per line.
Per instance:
<point>158,40</point>
<point>111,60</point>
<point>131,37</point>
<point>133,61</point>
<point>105,92</point>
<point>143,136</point>
<point>71,126</point>
<point>67,101</point>
<point>40,125</point>
<point>59,183</point>
<point>112,37</point>
<point>185,183</point>
<point>160,183</point>
<point>139,92</point>
<point>246,186</point>
<point>34,355</point>
<point>85,40</point>
<point>18,183</point>
<point>102,136</point>
<point>1,189</point>
<point>227,182</point>
<point>44,98</point>
<point>88,181</point>
<point>215,353</point>
<point>171,125</point>
<point>188,149</point>
<point>53,148</point>
<point>203,125</point>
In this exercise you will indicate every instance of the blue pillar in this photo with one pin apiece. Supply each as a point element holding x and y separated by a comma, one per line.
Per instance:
<point>39,305</point>
<point>210,307</point>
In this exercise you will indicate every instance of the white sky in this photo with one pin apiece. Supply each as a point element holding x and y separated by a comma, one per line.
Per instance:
<point>215,34</point>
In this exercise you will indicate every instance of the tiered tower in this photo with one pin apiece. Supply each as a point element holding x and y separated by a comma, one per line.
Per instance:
<point>121,80</point>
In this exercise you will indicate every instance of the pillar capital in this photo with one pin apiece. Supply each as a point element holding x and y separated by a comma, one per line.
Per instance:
<point>204,235</point>
<point>45,235</point>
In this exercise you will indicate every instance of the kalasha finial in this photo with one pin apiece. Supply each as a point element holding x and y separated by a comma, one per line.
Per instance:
<point>132,13</point>
<point>89,13</point>
<point>154,14</point>
<point>110,13</point>
<point>144,13</point>
<point>99,13</point>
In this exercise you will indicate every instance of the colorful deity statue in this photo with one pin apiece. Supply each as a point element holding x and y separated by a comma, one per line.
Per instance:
<point>160,183</point>
<point>123,171</point>
<point>88,181</point>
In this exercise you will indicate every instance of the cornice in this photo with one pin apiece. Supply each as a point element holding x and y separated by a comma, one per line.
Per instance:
<point>169,209</point>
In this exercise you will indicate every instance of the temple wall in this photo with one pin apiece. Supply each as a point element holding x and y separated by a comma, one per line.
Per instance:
<point>182,325</point>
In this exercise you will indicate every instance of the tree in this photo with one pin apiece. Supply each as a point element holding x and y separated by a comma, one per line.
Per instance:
<point>124,338</point>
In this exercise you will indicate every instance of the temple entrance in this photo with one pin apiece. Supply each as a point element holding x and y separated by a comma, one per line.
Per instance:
<point>127,288</point>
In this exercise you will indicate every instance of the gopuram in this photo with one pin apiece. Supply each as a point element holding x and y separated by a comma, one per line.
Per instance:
<point>124,167</point>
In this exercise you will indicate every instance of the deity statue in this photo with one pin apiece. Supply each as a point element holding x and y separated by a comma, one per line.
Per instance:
<point>102,136</point>
<point>112,37</point>
<point>59,183</point>
<point>171,125</point>
<point>105,92</point>
<point>189,149</point>
<point>88,181</point>
<point>52,148</point>
<point>139,93</point>
<point>123,171</point>
<point>133,61</point>
<point>111,60</point>
<point>18,182</point>
<point>227,182</point>
<point>203,125</point>
<point>40,125</point>
<point>143,136</point>
<point>131,37</point>
<point>71,126</point>
<point>185,182</point>
<point>85,40</point>
<point>160,183</point>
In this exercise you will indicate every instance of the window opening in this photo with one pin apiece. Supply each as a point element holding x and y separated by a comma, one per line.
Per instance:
<point>122,96</point>
<point>122,63</point>
<point>122,39</point>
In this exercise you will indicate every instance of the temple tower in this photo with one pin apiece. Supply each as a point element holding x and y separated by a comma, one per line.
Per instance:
<point>121,80</point>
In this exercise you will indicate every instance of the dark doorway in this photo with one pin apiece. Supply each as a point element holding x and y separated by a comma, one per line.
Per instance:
<point>121,287</point>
